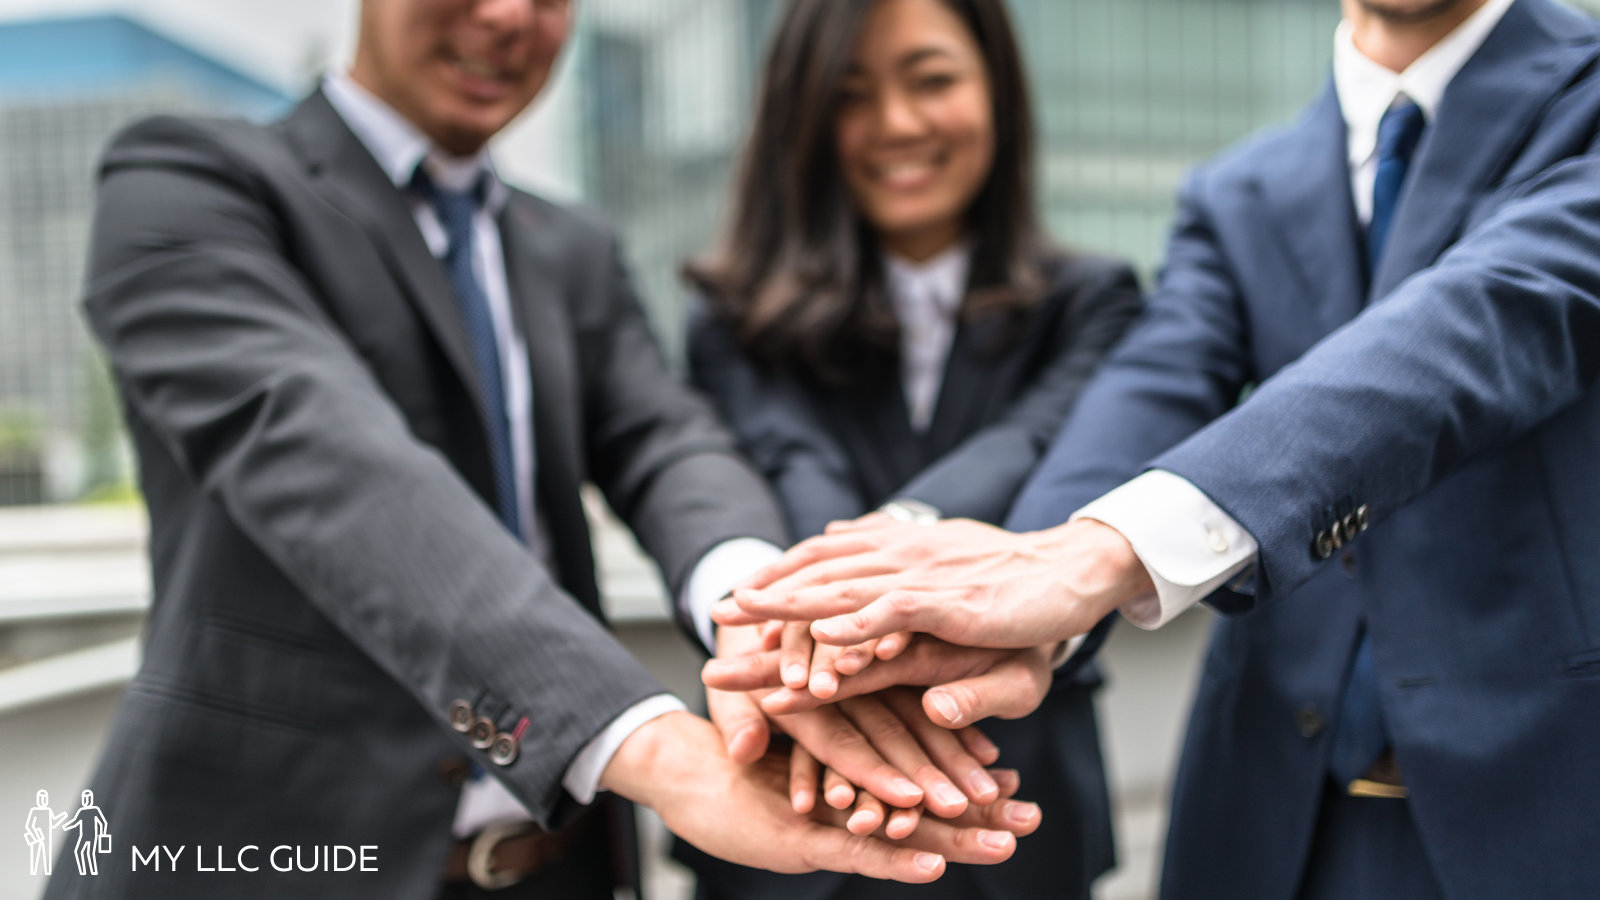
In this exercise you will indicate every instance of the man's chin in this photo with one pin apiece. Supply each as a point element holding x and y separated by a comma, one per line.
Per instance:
<point>1410,12</point>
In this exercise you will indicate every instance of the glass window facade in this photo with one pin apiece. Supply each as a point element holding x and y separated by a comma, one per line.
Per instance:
<point>1129,94</point>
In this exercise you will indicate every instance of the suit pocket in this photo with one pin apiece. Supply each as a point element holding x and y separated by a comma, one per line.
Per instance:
<point>225,711</point>
<point>1583,665</point>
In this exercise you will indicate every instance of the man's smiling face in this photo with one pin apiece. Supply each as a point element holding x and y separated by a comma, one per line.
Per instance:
<point>460,70</point>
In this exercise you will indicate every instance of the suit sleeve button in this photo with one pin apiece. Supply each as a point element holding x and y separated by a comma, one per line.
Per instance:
<point>504,750</point>
<point>1322,546</point>
<point>461,716</point>
<point>483,733</point>
<point>1363,517</point>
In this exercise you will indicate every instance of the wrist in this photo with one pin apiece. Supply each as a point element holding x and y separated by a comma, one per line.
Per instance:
<point>637,769</point>
<point>1101,565</point>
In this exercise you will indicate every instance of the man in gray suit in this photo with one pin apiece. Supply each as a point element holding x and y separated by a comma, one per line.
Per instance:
<point>365,380</point>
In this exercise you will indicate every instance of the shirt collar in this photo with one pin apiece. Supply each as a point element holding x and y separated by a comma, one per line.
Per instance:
<point>399,146</point>
<point>1367,90</point>
<point>943,278</point>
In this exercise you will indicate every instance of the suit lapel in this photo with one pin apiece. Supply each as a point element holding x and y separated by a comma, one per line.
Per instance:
<point>532,267</point>
<point>1306,189</point>
<point>347,175</point>
<point>966,380</point>
<point>1485,115</point>
<point>878,405</point>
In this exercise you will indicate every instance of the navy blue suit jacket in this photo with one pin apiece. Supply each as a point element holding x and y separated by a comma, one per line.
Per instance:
<point>1454,393</point>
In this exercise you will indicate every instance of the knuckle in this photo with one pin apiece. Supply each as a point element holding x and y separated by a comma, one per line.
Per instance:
<point>889,729</point>
<point>846,737</point>
<point>902,603</point>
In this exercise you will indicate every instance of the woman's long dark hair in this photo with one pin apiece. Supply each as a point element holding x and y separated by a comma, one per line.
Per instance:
<point>797,272</point>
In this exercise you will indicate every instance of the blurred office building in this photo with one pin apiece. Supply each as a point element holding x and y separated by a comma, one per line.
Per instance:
<point>1128,94</point>
<point>65,86</point>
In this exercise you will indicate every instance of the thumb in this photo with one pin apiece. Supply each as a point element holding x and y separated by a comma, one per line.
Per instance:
<point>1010,690</point>
<point>743,725</point>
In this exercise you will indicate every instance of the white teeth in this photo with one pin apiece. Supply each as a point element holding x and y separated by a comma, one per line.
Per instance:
<point>904,171</point>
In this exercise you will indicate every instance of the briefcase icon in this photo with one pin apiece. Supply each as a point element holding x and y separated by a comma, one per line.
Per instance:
<point>102,843</point>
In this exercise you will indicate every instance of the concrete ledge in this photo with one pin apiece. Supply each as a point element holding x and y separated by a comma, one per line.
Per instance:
<point>67,675</point>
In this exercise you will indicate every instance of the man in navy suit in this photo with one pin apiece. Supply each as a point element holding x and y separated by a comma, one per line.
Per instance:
<point>1400,517</point>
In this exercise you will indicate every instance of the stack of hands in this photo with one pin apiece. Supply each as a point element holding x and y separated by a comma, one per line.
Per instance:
<point>874,649</point>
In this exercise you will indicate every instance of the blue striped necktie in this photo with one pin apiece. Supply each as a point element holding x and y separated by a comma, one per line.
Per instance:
<point>456,210</point>
<point>1361,736</point>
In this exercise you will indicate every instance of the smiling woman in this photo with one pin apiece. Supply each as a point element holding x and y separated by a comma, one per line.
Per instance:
<point>461,70</point>
<point>908,119</point>
<point>885,320</point>
<point>914,127</point>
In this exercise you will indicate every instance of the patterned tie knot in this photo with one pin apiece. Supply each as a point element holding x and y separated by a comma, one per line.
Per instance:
<point>455,209</point>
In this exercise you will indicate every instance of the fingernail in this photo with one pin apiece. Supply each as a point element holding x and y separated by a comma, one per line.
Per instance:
<point>981,784</point>
<point>840,797</point>
<point>906,786</point>
<point>824,684</point>
<point>948,794</point>
<point>859,820</point>
<point>946,705</point>
<point>928,862</point>
<point>995,840</point>
<point>794,675</point>
<point>724,609</point>
<point>1021,813</point>
<point>825,628</point>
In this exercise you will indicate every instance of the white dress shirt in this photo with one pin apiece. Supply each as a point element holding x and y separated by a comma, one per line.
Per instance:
<point>399,147</point>
<point>925,298</point>
<point>1187,543</point>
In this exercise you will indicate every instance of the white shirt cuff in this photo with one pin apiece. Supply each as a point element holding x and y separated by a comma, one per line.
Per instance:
<point>582,780</point>
<point>1188,544</point>
<point>1065,650</point>
<point>717,573</point>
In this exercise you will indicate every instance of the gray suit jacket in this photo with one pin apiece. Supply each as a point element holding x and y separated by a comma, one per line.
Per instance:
<point>329,575</point>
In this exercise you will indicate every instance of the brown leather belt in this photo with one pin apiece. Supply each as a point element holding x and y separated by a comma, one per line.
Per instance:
<point>1382,780</point>
<point>502,855</point>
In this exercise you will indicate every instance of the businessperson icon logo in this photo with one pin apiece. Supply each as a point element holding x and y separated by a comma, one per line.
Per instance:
<point>92,839</point>
<point>39,830</point>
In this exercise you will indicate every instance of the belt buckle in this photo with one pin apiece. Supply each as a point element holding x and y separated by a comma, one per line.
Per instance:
<point>1365,787</point>
<point>1381,780</point>
<point>480,855</point>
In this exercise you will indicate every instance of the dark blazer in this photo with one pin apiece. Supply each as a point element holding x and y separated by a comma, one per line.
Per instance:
<point>839,452</point>
<point>329,575</point>
<point>1459,407</point>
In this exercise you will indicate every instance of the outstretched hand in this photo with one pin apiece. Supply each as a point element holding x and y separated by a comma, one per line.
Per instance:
<point>963,581</point>
<point>676,764</point>
<point>967,684</point>
<point>885,744</point>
